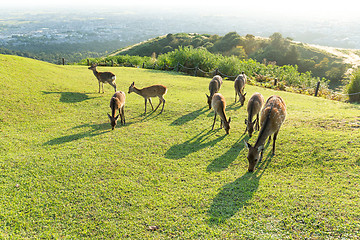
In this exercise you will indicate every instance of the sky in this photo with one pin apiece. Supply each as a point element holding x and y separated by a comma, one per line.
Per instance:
<point>306,8</point>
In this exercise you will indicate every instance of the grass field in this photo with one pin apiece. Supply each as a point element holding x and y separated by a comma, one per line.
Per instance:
<point>65,174</point>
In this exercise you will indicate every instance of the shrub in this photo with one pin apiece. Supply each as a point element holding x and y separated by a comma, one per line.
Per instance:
<point>353,88</point>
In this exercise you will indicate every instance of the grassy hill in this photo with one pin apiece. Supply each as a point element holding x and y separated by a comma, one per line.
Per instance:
<point>65,174</point>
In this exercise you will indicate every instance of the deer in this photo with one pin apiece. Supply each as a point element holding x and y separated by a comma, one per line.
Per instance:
<point>104,77</point>
<point>149,92</point>
<point>253,108</point>
<point>272,117</point>
<point>117,102</point>
<point>214,87</point>
<point>239,85</point>
<point>218,104</point>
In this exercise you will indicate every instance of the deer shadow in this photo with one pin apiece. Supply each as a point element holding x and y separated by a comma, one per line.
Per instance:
<point>236,195</point>
<point>234,106</point>
<point>222,162</point>
<point>96,129</point>
<point>71,97</point>
<point>194,144</point>
<point>188,117</point>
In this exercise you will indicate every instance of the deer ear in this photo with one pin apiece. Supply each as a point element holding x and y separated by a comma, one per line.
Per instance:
<point>260,148</point>
<point>247,145</point>
<point>246,121</point>
<point>116,118</point>
<point>254,121</point>
<point>245,94</point>
<point>229,119</point>
<point>109,116</point>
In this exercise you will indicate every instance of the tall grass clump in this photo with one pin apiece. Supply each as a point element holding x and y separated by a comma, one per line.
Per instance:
<point>353,88</point>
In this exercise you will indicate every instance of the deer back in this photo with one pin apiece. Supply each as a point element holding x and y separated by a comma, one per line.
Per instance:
<point>214,87</point>
<point>154,91</point>
<point>272,116</point>
<point>117,101</point>
<point>239,83</point>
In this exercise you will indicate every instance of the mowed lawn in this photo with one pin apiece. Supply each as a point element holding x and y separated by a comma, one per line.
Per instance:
<point>65,174</point>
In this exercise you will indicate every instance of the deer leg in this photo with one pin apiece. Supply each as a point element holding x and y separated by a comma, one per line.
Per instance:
<point>235,96</point>
<point>275,135</point>
<point>145,105</point>
<point>102,84</point>
<point>151,104</point>
<point>99,86</point>
<point>123,114</point>
<point>257,122</point>
<point>160,101</point>
<point>214,122</point>
<point>163,101</point>
<point>221,123</point>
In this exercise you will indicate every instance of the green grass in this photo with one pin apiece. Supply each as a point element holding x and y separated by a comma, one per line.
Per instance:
<point>65,175</point>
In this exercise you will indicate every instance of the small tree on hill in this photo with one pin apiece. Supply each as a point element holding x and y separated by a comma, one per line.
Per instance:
<point>354,86</point>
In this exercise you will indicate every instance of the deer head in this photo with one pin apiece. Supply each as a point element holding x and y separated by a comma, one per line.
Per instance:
<point>242,98</point>
<point>131,88</point>
<point>254,155</point>
<point>250,126</point>
<point>113,121</point>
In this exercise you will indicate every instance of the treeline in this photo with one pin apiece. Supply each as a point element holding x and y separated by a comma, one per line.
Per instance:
<point>55,52</point>
<point>276,49</point>
<point>201,62</point>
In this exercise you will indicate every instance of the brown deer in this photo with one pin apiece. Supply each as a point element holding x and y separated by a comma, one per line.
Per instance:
<point>117,102</point>
<point>272,117</point>
<point>214,87</point>
<point>239,85</point>
<point>104,77</point>
<point>149,92</point>
<point>253,108</point>
<point>218,104</point>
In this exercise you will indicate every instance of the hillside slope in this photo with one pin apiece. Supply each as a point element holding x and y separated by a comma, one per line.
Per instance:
<point>66,175</point>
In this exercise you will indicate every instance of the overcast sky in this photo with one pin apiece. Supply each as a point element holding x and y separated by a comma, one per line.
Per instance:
<point>343,8</point>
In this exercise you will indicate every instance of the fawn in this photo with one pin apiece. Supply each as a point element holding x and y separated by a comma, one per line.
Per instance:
<point>104,77</point>
<point>253,108</point>
<point>214,87</point>
<point>149,92</point>
<point>218,104</point>
<point>239,85</point>
<point>117,102</point>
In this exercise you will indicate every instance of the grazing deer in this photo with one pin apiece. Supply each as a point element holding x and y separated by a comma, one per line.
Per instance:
<point>239,85</point>
<point>218,104</point>
<point>214,87</point>
<point>149,92</point>
<point>272,116</point>
<point>117,102</point>
<point>253,108</point>
<point>103,77</point>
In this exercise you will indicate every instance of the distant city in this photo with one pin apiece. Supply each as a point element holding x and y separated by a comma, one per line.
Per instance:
<point>21,30</point>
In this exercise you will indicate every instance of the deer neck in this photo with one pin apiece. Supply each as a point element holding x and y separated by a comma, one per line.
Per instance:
<point>95,72</point>
<point>265,130</point>
<point>222,115</point>
<point>137,91</point>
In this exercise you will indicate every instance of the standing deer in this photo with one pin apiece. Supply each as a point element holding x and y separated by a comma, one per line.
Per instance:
<point>253,108</point>
<point>218,104</point>
<point>239,85</point>
<point>272,117</point>
<point>103,77</point>
<point>214,87</point>
<point>117,102</point>
<point>149,92</point>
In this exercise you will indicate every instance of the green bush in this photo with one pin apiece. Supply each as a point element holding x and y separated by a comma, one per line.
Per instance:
<point>353,89</point>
